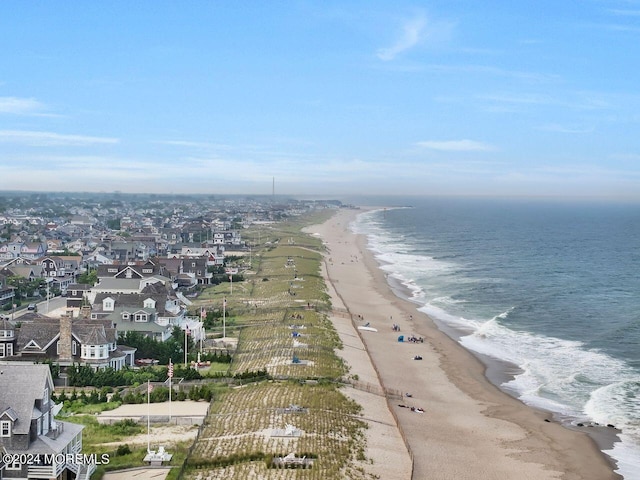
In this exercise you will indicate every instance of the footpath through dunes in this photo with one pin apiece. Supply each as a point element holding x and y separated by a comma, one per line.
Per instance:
<point>308,415</point>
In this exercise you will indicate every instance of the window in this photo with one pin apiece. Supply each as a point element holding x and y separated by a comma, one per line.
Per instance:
<point>16,465</point>
<point>5,428</point>
<point>9,349</point>
<point>1,350</point>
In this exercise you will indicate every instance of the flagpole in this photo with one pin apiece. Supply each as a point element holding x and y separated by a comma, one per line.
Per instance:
<point>186,334</point>
<point>224,318</point>
<point>148,416</point>
<point>170,372</point>
<point>203,317</point>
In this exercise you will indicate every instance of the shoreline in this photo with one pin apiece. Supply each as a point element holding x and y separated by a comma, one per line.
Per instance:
<point>470,428</point>
<point>498,372</point>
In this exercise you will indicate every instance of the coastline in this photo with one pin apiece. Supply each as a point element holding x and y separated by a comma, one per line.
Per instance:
<point>470,428</point>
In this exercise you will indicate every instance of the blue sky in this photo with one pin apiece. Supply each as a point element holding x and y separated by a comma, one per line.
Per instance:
<point>329,97</point>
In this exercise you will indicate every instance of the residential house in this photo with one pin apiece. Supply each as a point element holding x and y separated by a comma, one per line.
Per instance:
<point>24,270</point>
<point>129,277</point>
<point>18,248</point>
<point>122,251</point>
<point>54,245</point>
<point>229,237</point>
<point>28,427</point>
<point>6,291</point>
<point>77,294</point>
<point>97,257</point>
<point>7,338</point>
<point>77,245</point>
<point>66,341</point>
<point>197,269</point>
<point>154,311</point>
<point>62,270</point>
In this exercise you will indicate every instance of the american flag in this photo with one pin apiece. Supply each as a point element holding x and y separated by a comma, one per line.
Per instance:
<point>170,369</point>
<point>203,312</point>
<point>149,387</point>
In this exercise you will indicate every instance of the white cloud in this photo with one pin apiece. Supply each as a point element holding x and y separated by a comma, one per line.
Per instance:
<point>412,33</point>
<point>456,146</point>
<point>50,139</point>
<point>20,106</point>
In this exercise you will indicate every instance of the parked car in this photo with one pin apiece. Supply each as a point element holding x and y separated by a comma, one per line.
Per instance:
<point>32,306</point>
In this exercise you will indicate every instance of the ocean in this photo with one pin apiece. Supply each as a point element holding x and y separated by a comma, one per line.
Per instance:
<point>552,287</point>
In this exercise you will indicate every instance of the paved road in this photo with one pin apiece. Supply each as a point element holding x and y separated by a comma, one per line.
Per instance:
<point>54,303</point>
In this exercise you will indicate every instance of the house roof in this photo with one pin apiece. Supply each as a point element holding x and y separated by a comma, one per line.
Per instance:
<point>21,384</point>
<point>144,327</point>
<point>91,335</point>
<point>87,332</point>
<point>40,332</point>
<point>131,302</point>
<point>45,444</point>
<point>107,283</point>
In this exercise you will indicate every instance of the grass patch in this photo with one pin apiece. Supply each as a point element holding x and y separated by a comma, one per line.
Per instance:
<point>78,407</point>
<point>96,433</point>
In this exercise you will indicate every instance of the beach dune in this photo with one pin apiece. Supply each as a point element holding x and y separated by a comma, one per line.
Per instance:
<point>469,429</point>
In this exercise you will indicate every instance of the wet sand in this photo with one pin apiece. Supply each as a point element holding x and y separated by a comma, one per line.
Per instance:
<point>469,429</point>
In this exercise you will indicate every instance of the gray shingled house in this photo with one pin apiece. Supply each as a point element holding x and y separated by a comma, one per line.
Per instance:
<point>68,341</point>
<point>28,427</point>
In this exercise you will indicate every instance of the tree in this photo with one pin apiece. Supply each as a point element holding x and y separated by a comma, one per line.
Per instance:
<point>24,287</point>
<point>114,224</point>
<point>89,278</point>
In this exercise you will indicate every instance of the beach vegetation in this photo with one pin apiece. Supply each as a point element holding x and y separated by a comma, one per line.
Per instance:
<point>284,334</point>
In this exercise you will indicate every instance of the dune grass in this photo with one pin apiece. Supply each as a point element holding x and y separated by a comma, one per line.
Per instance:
<point>285,293</point>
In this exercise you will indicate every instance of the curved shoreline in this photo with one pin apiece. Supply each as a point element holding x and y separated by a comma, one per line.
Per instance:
<point>498,372</point>
<point>471,428</point>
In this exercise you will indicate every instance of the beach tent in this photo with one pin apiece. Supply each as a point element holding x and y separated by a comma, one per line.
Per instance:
<point>401,338</point>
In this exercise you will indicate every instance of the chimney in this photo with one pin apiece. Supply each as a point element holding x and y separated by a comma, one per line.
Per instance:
<point>64,343</point>
<point>85,312</point>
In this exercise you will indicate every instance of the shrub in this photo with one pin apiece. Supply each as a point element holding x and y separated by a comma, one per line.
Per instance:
<point>123,450</point>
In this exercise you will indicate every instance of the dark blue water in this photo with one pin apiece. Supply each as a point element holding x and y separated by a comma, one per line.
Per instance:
<point>553,287</point>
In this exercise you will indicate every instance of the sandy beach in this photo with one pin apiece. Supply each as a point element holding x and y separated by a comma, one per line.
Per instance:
<point>469,429</point>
